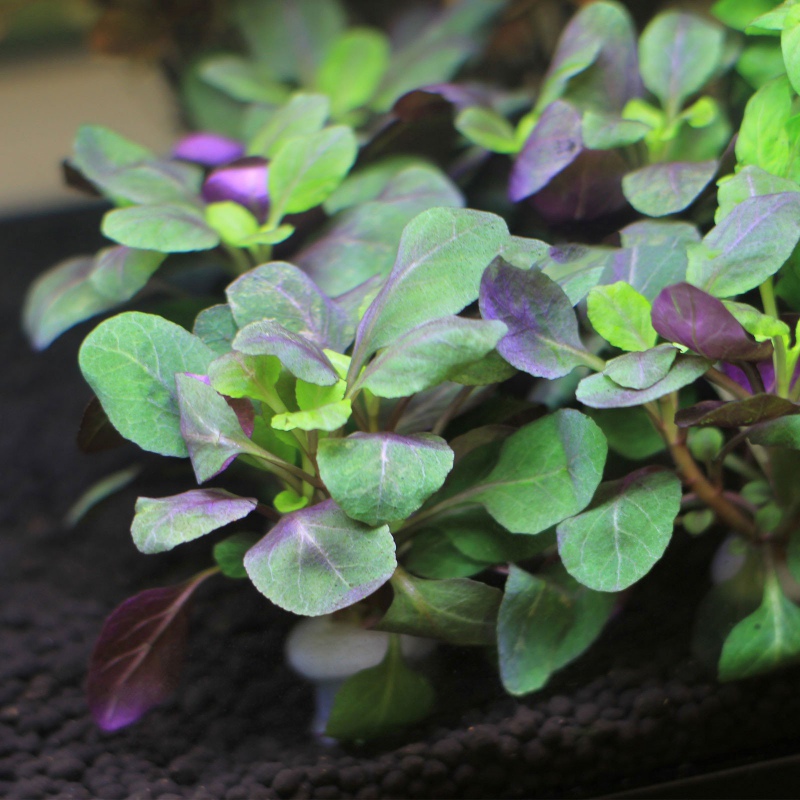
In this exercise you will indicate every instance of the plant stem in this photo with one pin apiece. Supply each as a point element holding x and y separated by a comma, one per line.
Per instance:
<point>451,410</point>
<point>397,412</point>
<point>782,375</point>
<point>240,262</point>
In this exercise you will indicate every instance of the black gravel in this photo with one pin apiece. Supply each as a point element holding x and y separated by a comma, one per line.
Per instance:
<point>638,710</point>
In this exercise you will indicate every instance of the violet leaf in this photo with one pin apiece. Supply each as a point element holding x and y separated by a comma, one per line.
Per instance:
<point>164,227</point>
<point>301,357</point>
<point>736,413</point>
<point>429,354</point>
<point>457,611</point>
<point>624,532</point>
<point>660,189</point>
<point>542,338</point>
<point>130,361</point>
<point>137,659</point>
<point>318,560</point>
<point>442,255</point>
<point>553,145</point>
<point>621,316</point>
<point>689,316</point>
<point>216,328</point>
<point>600,391</point>
<point>162,523</point>
<point>208,149</point>
<point>640,370</point>
<point>381,477</point>
<point>543,624</point>
<point>752,181</point>
<point>301,115</point>
<point>282,293</point>
<point>243,183</point>
<point>748,246</point>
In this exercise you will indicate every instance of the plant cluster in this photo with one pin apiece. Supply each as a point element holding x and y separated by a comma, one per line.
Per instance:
<point>430,399</point>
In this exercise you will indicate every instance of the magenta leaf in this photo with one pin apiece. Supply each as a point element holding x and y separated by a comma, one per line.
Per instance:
<point>244,182</point>
<point>689,316</point>
<point>208,149</point>
<point>137,659</point>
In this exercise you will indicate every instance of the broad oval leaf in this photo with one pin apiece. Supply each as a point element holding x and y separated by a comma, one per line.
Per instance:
<point>301,115</point>
<point>542,337</point>
<point>641,370</point>
<point>130,361</point>
<point>137,660</point>
<point>661,189</point>
<point>162,523</point>
<point>625,531</point>
<point>621,316</point>
<point>380,477</point>
<point>164,227</point>
<point>318,560</point>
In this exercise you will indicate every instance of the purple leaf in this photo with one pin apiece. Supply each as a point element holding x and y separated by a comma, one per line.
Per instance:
<point>208,149</point>
<point>137,659</point>
<point>553,145</point>
<point>244,182</point>
<point>766,370</point>
<point>689,316</point>
<point>734,414</point>
<point>542,337</point>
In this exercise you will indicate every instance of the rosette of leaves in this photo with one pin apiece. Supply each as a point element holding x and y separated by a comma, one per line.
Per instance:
<point>615,122</point>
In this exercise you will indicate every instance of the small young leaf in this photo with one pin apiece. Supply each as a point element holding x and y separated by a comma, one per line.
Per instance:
<point>229,554</point>
<point>790,46</point>
<point>621,316</point>
<point>216,327</point>
<point>164,227</point>
<point>237,375</point>
<point>233,222</point>
<point>768,638</point>
<point>287,501</point>
<point>99,491</point>
<point>318,560</point>
<point>380,477</point>
<point>640,370</point>
<point>487,129</point>
<point>542,336</point>
<point>624,532</point>
<point>456,611</point>
<point>130,361</point>
<point>329,417</point>
<point>379,700</point>
<point>162,523</point>
<point>603,131</point>
<point>661,189</point>
<point>761,326</point>
<point>137,659</point>
<point>303,114</point>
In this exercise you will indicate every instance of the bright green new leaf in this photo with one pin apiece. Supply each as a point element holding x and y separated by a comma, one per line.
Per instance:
<point>763,140</point>
<point>353,69</point>
<point>329,417</point>
<point>457,611</point>
<point>790,46</point>
<point>768,638</point>
<point>130,361</point>
<point>288,500</point>
<point>310,395</point>
<point>302,115</point>
<point>162,523</point>
<point>379,700</point>
<point>380,477</point>
<point>233,223</point>
<point>306,169</point>
<point>621,316</point>
<point>739,14</point>
<point>624,532</point>
<point>164,227</point>
<point>601,131</point>
<point>761,62</point>
<point>238,375</point>
<point>759,325</point>
<point>487,129</point>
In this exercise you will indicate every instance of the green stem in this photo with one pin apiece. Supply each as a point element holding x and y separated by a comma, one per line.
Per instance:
<point>239,259</point>
<point>779,357</point>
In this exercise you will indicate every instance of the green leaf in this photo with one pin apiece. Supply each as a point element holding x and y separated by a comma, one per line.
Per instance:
<point>162,523</point>
<point>790,46</point>
<point>353,69</point>
<point>229,554</point>
<point>624,532</point>
<point>660,189</point>
<point>763,140</point>
<point>759,325</point>
<point>288,500</point>
<point>318,560</point>
<point>487,129</point>
<point>547,471</point>
<point>429,354</point>
<point>302,115</point>
<point>233,223</point>
<point>370,182</point>
<point>216,327</point>
<point>164,227</point>
<point>621,316</point>
<point>379,700</point>
<point>768,638</point>
<point>640,370</point>
<point>749,182</point>
<point>130,361</point>
<point>433,555</point>
<point>80,288</point>
<point>782,432</point>
<point>761,62</point>
<point>443,253</point>
<point>542,626</point>
<point>329,417</point>
<point>456,611</point>
<point>306,169</point>
<point>629,432</point>
<point>238,375</point>
<point>380,477</point>
<point>241,79</point>
<point>210,427</point>
<point>602,131</point>
<point>678,54</point>
<point>739,14</point>
<point>107,486</point>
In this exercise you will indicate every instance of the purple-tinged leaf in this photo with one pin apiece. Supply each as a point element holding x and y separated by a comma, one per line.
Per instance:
<point>577,268</point>
<point>542,338</point>
<point>208,149</point>
<point>317,560</point>
<point>299,355</point>
<point>599,391</point>
<point>641,369</point>
<point>660,189</point>
<point>736,413</point>
<point>137,660</point>
<point>691,317</point>
<point>96,433</point>
<point>590,187</point>
<point>244,182</point>
<point>162,523</point>
<point>553,144</point>
<point>240,405</point>
<point>462,95</point>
